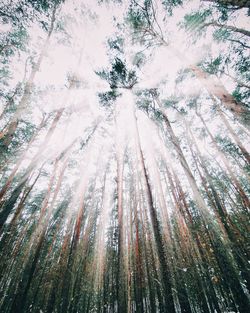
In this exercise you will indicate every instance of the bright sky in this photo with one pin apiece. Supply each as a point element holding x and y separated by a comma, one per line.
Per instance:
<point>87,28</point>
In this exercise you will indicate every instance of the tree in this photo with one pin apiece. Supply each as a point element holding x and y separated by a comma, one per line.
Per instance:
<point>124,176</point>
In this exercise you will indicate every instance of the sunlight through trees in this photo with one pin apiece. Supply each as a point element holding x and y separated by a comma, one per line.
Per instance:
<point>124,156</point>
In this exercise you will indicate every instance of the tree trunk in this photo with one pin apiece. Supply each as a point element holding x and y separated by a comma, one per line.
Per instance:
<point>164,263</point>
<point>235,137</point>
<point>244,197</point>
<point>13,124</point>
<point>21,158</point>
<point>9,204</point>
<point>121,293</point>
<point>213,85</point>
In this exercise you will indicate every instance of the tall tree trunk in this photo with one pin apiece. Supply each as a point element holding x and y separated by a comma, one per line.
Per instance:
<point>239,250</point>
<point>121,294</point>
<point>13,124</point>
<point>164,262</point>
<point>9,204</point>
<point>20,298</point>
<point>235,137</point>
<point>234,280</point>
<point>20,160</point>
<point>244,197</point>
<point>207,297</point>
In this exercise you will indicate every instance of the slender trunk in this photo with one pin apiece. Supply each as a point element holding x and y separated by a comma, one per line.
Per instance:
<point>200,201</point>
<point>235,137</point>
<point>120,273</point>
<point>138,266</point>
<point>20,298</point>
<point>240,296</point>
<point>238,249</point>
<point>9,204</point>
<point>26,193</point>
<point>244,197</point>
<point>149,260</point>
<point>207,294</point>
<point>164,262</point>
<point>13,124</point>
<point>20,160</point>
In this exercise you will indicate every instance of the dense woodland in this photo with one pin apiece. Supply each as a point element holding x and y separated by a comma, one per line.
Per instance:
<point>124,163</point>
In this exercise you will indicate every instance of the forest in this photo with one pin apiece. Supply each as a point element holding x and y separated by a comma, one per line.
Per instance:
<point>124,156</point>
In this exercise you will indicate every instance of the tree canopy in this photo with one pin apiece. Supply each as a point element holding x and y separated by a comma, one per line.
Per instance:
<point>124,156</point>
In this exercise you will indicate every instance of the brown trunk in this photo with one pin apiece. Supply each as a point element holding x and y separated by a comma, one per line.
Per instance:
<point>164,262</point>
<point>150,264</point>
<point>200,201</point>
<point>19,301</point>
<point>120,273</point>
<point>209,298</point>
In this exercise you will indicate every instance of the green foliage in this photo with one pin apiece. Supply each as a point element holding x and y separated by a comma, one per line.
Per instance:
<point>116,44</point>
<point>108,98</point>
<point>242,95</point>
<point>15,40</point>
<point>170,102</point>
<point>196,20</point>
<point>182,75</point>
<point>228,146</point>
<point>223,13</point>
<point>23,12</point>
<point>242,65</point>
<point>214,66</point>
<point>192,102</point>
<point>169,5</point>
<point>5,76</point>
<point>221,34</point>
<point>136,18</point>
<point>119,76</point>
<point>144,104</point>
<point>139,59</point>
<point>71,247</point>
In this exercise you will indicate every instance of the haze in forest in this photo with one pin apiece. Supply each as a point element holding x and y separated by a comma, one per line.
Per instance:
<point>124,156</point>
